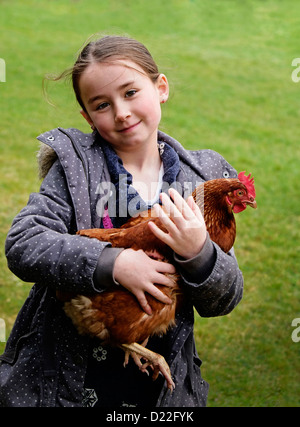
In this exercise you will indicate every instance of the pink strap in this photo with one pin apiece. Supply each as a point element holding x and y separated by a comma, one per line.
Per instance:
<point>106,220</point>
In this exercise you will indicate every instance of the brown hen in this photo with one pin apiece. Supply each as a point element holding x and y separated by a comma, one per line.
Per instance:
<point>115,316</point>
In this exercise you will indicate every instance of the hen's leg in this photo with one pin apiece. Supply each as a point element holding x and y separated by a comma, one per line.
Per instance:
<point>136,358</point>
<point>155,360</point>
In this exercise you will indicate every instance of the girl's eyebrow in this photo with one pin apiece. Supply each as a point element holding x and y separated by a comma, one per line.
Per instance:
<point>121,87</point>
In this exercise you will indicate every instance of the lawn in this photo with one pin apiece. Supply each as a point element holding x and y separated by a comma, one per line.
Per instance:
<point>229,64</point>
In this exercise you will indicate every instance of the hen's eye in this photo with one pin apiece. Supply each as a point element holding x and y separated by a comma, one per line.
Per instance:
<point>240,193</point>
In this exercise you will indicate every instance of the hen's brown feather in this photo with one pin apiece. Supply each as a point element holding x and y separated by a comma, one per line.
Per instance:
<point>218,216</point>
<point>115,316</point>
<point>112,313</point>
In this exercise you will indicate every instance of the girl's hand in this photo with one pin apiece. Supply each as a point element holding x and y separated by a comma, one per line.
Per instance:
<point>184,222</point>
<point>139,273</point>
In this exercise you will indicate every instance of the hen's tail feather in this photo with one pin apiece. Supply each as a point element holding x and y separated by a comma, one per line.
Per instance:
<point>80,311</point>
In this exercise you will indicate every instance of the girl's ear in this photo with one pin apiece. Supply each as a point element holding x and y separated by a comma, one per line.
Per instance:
<point>163,88</point>
<point>88,119</point>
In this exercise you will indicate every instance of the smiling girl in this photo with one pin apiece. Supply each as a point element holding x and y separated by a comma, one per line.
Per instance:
<point>46,362</point>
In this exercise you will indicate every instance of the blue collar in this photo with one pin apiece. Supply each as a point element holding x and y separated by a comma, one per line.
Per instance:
<point>125,206</point>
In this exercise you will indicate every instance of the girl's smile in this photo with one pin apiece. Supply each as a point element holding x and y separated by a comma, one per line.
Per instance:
<point>130,128</point>
<point>123,103</point>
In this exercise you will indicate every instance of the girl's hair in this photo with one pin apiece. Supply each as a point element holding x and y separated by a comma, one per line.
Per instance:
<point>107,48</point>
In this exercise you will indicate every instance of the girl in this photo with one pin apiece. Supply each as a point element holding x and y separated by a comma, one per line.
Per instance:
<point>100,180</point>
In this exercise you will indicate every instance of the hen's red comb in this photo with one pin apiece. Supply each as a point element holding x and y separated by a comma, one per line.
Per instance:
<point>248,182</point>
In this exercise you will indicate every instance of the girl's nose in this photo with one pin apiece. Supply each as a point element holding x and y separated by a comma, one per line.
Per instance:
<point>122,113</point>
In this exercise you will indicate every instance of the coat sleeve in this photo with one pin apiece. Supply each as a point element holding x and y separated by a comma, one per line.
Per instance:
<point>42,245</point>
<point>212,280</point>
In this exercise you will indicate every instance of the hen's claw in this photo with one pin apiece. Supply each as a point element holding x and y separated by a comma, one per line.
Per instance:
<point>154,360</point>
<point>134,355</point>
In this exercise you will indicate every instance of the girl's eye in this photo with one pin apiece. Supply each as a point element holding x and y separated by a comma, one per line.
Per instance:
<point>102,106</point>
<point>130,93</point>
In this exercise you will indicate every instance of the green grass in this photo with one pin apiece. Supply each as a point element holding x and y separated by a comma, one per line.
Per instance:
<point>229,64</point>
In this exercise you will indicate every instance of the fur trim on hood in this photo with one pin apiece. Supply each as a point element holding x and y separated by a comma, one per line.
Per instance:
<point>46,156</point>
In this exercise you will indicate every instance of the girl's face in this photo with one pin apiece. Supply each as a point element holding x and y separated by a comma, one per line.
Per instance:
<point>123,103</point>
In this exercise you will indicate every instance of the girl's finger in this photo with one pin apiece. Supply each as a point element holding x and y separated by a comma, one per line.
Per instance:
<point>164,267</point>
<point>143,302</point>
<point>169,207</point>
<point>164,280</point>
<point>161,235</point>
<point>159,295</point>
<point>165,219</point>
<point>195,208</point>
<point>181,205</point>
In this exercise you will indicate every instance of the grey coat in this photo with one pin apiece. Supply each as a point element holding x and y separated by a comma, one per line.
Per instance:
<point>45,359</point>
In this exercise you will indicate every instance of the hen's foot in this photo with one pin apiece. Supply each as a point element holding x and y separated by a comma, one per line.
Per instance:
<point>154,360</point>
<point>137,358</point>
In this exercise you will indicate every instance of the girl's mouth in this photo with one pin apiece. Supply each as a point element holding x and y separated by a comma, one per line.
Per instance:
<point>129,128</point>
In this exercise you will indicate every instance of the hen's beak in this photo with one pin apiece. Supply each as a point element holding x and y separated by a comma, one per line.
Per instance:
<point>252,203</point>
